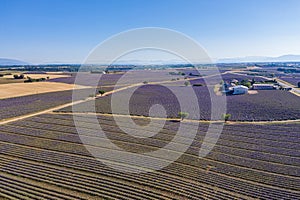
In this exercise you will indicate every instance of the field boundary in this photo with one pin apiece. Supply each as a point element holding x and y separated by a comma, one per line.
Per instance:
<point>177,119</point>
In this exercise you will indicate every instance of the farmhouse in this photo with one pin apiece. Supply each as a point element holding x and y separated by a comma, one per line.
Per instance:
<point>264,87</point>
<point>240,89</point>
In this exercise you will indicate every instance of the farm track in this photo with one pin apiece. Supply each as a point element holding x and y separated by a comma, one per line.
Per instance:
<point>176,119</point>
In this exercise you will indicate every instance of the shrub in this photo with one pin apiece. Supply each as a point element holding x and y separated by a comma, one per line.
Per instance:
<point>226,117</point>
<point>101,92</point>
<point>183,115</point>
<point>30,80</point>
<point>247,84</point>
<point>18,76</point>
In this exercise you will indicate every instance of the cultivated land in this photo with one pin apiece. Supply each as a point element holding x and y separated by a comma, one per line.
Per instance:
<point>42,155</point>
<point>249,161</point>
<point>23,89</point>
<point>7,79</point>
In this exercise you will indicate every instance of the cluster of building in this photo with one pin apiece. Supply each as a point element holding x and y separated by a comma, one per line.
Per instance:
<point>234,88</point>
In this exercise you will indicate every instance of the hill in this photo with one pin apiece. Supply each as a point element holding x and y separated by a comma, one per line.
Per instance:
<point>7,61</point>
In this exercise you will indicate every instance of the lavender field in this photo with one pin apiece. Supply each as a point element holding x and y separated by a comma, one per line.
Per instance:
<point>249,161</point>
<point>19,106</point>
<point>263,106</point>
<point>294,80</point>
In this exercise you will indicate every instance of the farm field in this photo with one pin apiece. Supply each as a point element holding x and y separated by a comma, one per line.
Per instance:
<point>23,89</point>
<point>42,157</point>
<point>8,79</point>
<point>145,100</point>
<point>131,77</point>
<point>264,106</point>
<point>18,106</point>
<point>294,80</point>
<point>89,79</point>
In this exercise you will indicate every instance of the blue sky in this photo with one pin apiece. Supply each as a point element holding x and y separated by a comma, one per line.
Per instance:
<point>41,31</point>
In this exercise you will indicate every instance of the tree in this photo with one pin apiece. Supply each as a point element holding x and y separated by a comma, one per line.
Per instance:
<point>226,117</point>
<point>101,92</point>
<point>186,83</point>
<point>18,77</point>
<point>247,84</point>
<point>183,115</point>
<point>298,84</point>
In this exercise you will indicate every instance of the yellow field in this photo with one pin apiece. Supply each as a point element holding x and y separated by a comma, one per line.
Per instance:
<point>22,89</point>
<point>36,76</point>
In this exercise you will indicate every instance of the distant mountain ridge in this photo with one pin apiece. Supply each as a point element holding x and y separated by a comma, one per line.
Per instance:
<point>283,58</point>
<point>7,61</point>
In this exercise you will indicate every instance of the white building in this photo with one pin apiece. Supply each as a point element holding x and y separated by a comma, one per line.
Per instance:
<point>264,87</point>
<point>240,89</point>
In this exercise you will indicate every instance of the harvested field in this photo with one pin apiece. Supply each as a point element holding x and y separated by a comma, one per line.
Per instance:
<point>7,79</point>
<point>50,75</point>
<point>23,89</point>
<point>38,75</point>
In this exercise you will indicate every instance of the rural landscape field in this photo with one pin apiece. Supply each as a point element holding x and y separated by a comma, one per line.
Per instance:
<point>256,156</point>
<point>132,99</point>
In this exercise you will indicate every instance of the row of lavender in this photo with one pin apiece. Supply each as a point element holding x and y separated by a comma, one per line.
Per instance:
<point>236,159</point>
<point>13,107</point>
<point>294,80</point>
<point>88,79</point>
